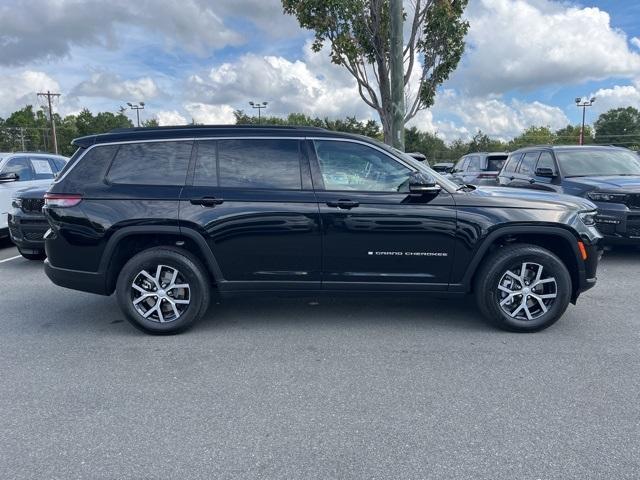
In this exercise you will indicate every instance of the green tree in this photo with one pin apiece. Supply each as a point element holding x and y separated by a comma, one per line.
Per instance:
<point>88,124</point>
<point>426,143</point>
<point>151,122</point>
<point>533,136</point>
<point>570,135</point>
<point>620,126</point>
<point>482,143</point>
<point>358,33</point>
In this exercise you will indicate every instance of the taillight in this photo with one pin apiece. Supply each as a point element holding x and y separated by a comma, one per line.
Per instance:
<point>61,200</point>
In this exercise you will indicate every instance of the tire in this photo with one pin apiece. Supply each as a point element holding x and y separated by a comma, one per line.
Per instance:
<point>39,256</point>
<point>180,307</point>
<point>494,285</point>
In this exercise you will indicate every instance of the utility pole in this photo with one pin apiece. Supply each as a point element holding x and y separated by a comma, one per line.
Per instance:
<point>24,149</point>
<point>48,95</point>
<point>584,105</point>
<point>396,64</point>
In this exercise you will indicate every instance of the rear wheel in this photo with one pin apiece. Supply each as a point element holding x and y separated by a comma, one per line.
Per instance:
<point>163,290</point>
<point>523,288</point>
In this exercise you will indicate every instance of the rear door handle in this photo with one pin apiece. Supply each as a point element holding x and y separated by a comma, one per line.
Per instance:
<point>206,201</point>
<point>344,204</point>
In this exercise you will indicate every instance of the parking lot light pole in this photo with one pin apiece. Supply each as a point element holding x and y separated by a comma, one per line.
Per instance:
<point>584,105</point>
<point>259,106</point>
<point>137,108</point>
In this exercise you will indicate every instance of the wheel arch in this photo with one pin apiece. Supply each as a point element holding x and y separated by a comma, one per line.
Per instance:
<point>128,241</point>
<point>559,241</point>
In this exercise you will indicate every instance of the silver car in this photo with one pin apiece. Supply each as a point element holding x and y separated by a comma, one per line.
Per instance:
<point>24,170</point>
<point>479,168</point>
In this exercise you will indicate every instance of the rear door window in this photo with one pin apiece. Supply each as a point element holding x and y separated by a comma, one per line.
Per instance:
<point>43,168</point>
<point>151,163</point>
<point>528,164</point>
<point>257,163</point>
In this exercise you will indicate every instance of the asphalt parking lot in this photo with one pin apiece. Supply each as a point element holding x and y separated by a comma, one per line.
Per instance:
<point>342,388</point>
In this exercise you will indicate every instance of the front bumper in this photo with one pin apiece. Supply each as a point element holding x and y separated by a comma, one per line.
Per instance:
<point>27,230</point>
<point>618,223</point>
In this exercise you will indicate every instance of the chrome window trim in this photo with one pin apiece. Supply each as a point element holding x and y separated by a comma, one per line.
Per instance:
<point>244,137</point>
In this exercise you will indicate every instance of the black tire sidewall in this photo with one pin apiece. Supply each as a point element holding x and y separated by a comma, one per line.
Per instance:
<point>488,296</point>
<point>188,268</point>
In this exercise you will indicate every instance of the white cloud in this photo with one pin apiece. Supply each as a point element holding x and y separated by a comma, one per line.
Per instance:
<point>635,41</point>
<point>210,114</point>
<point>44,29</point>
<point>616,97</point>
<point>524,44</point>
<point>170,117</point>
<point>21,88</point>
<point>109,85</point>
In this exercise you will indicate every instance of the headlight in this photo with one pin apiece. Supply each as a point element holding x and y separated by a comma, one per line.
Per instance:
<point>607,197</point>
<point>16,202</point>
<point>588,218</point>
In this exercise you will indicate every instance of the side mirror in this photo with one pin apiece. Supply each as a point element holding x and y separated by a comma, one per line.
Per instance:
<point>9,177</point>
<point>421,184</point>
<point>545,172</point>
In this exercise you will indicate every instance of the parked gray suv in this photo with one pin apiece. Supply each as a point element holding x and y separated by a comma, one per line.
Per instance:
<point>480,168</point>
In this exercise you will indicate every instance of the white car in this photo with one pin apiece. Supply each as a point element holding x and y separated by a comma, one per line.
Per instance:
<point>24,170</point>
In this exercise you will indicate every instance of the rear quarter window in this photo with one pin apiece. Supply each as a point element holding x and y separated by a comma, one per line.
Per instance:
<point>494,164</point>
<point>88,170</point>
<point>151,163</point>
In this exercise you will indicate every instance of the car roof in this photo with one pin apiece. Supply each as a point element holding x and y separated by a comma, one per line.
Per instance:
<point>569,147</point>
<point>204,131</point>
<point>488,154</point>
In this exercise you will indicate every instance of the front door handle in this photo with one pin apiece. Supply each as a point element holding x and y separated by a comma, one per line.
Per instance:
<point>533,180</point>
<point>344,204</point>
<point>206,201</point>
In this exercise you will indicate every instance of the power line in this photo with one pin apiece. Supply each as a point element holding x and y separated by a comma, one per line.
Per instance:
<point>48,95</point>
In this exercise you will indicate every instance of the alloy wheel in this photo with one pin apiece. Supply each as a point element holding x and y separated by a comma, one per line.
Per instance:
<point>162,295</point>
<point>526,292</point>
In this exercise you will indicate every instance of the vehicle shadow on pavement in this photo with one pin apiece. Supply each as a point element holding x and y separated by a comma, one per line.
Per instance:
<point>352,312</point>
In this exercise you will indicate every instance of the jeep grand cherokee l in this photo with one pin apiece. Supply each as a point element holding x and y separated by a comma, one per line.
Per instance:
<point>608,176</point>
<point>161,215</point>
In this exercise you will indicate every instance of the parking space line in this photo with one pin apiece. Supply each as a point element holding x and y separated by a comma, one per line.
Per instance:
<point>9,259</point>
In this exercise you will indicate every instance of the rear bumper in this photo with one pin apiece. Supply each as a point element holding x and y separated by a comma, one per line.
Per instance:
<point>92,282</point>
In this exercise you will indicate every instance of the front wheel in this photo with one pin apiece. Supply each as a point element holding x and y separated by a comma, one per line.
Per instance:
<point>163,290</point>
<point>523,288</point>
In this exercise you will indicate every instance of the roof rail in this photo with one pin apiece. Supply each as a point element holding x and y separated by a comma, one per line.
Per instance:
<point>205,127</point>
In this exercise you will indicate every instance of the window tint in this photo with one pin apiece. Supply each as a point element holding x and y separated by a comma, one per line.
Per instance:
<point>21,166</point>
<point>152,163</point>
<point>512,163</point>
<point>90,169</point>
<point>259,164</point>
<point>58,163</point>
<point>474,164</point>
<point>528,163</point>
<point>352,166</point>
<point>206,165</point>
<point>494,164</point>
<point>591,161</point>
<point>43,168</point>
<point>546,161</point>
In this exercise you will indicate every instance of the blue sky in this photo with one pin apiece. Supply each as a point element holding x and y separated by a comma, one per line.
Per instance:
<point>526,61</point>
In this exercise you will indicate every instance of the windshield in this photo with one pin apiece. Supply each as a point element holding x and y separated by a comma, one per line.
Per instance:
<point>420,166</point>
<point>591,163</point>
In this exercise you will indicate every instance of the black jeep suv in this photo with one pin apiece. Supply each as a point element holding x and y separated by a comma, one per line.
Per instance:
<point>608,176</point>
<point>161,215</point>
